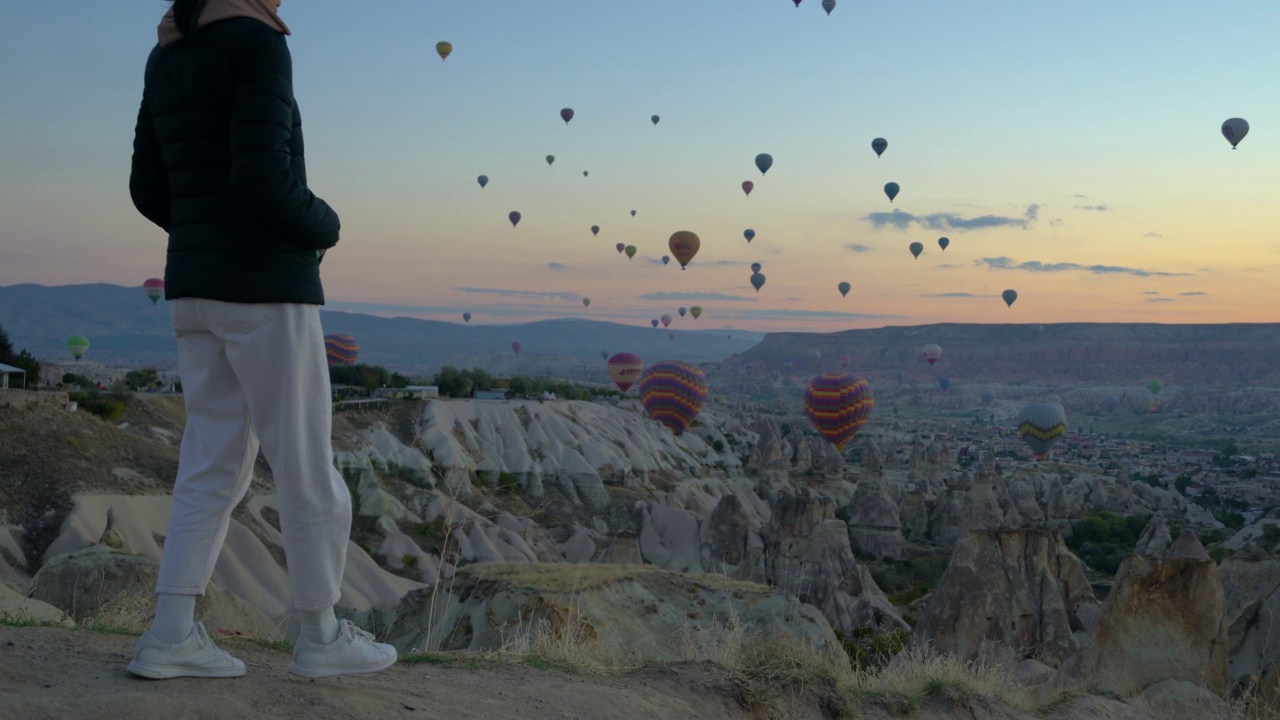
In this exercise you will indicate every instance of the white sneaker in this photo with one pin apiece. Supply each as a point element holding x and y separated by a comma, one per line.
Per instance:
<point>353,652</point>
<point>196,656</point>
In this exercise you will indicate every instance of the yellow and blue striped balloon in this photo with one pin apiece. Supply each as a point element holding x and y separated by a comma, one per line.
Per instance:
<point>672,392</point>
<point>838,405</point>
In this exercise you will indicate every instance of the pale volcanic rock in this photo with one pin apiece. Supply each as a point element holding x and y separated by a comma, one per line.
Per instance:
<point>728,545</point>
<point>1251,586</point>
<point>873,520</point>
<point>1164,619</point>
<point>1015,593</point>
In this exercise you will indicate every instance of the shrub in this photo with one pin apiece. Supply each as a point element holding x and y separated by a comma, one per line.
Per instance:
<point>107,407</point>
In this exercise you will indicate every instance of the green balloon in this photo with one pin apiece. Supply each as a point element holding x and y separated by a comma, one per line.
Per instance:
<point>78,345</point>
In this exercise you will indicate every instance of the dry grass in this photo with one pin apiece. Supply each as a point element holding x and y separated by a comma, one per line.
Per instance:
<point>223,614</point>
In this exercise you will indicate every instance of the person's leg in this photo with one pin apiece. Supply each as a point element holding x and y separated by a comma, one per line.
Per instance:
<point>282,365</point>
<point>215,467</point>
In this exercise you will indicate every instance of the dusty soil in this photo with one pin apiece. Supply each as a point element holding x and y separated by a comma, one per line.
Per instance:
<point>58,673</point>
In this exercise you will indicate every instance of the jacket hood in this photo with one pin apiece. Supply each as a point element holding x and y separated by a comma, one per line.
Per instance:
<point>215,10</point>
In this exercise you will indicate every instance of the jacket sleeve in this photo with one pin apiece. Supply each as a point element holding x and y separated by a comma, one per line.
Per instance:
<point>261,163</point>
<point>148,179</point>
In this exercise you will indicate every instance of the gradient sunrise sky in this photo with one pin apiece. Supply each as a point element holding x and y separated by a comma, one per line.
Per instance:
<point>1070,151</point>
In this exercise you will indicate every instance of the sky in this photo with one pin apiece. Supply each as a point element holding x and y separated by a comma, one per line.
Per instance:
<point>1070,151</point>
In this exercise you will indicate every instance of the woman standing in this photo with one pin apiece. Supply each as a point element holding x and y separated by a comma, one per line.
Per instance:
<point>218,164</point>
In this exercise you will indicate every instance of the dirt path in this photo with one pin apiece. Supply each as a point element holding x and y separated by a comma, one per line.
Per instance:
<point>58,673</point>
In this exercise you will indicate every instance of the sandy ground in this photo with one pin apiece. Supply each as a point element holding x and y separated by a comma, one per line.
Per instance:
<point>58,673</point>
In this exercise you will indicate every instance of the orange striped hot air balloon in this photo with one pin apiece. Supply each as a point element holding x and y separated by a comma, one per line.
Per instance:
<point>341,349</point>
<point>672,392</point>
<point>838,405</point>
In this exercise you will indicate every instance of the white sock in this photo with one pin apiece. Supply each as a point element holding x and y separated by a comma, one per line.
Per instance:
<point>319,626</point>
<point>175,617</point>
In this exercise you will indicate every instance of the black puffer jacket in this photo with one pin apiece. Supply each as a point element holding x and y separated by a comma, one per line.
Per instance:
<point>218,163</point>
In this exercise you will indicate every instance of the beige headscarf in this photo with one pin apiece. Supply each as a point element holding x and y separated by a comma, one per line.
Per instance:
<point>215,10</point>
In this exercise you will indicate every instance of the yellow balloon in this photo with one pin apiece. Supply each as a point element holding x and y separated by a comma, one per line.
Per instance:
<point>684,245</point>
<point>444,48</point>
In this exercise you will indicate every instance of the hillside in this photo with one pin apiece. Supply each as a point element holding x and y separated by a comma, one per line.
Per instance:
<point>124,327</point>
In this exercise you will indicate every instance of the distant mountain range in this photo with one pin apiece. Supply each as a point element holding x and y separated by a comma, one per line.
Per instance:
<point>124,327</point>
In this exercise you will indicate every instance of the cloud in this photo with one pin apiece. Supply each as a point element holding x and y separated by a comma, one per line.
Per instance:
<point>555,265</point>
<point>1004,263</point>
<point>901,220</point>
<point>1099,208</point>
<point>1150,292</point>
<point>1194,292</point>
<point>857,247</point>
<point>953,295</point>
<point>809,314</point>
<point>521,293</point>
<point>1153,235</point>
<point>694,296</point>
<point>1160,299</point>
<point>1082,197</point>
<point>1056,222</point>
<point>949,266</point>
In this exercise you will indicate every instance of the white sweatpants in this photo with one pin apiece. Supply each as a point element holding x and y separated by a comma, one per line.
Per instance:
<point>250,373</point>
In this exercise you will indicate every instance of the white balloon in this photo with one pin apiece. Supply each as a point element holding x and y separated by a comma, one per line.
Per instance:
<point>1234,131</point>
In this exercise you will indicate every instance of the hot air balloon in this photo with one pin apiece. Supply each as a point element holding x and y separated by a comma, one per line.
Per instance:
<point>78,345</point>
<point>696,311</point>
<point>654,119</point>
<point>630,250</point>
<point>844,289</point>
<point>1110,403</point>
<point>755,267</point>
<point>757,281</point>
<point>879,145</point>
<point>551,159</point>
<point>682,311</point>
<point>764,161</point>
<point>916,248</point>
<point>566,114</point>
<point>944,383</point>
<point>988,396</point>
<point>586,302</point>
<point>341,349</point>
<point>828,5</point>
<point>788,363</point>
<point>654,322</point>
<point>584,173</point>
<point>1040,425</point>
<point>666,259</point>
<point>932,352</point>
<point>838,406</point>
<point>620,247</point>
<point>797,2</point>
<point>1009,296</point>
<point>604,354</point>
<point>633,213</point>
<point>747,185</point>
<point>1154,387</point>
<point>625,369</point>
<point>672,392</point>
<point>154,288</point>
<point>749,234</point>
<point>671,336</point>
<point>1234,131</point>
<point>684,245</point>
<point>814,355</point>
<point>846,360</point>
<point>666,321</point>
<point>515,347</point>
<point>891,189</point>
<point>514,217</point>
<point>443,49</point>
<point>483,180</point>
<point>466,317</point>
<point>595,229</point>
<point>944,242</point>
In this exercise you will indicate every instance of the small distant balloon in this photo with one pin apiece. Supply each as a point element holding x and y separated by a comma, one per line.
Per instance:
<point>566,114</point>
<point>604,355</point>
<point>551,159</point>
<point>932,352</point>
<point>757,281</point>
<point>828,5</point>
<point>620,247</point>
<point>595,229</point>
<point>916,248</point>
<point>584,173</point>
<point>696,311</point>
<point>755,267</point>
<point>624,369</point>
<point>630,250</point>
<point>749,234</point>
<point>944,383</point>
<point>654,119</point>
<point>78,345</point>
<point>747,186</point>
<point>797,2</point>
<point>654,322</point>
<point>633,213</point>
<point>666,259</point>
<point>944,242</point>
<point>483,180</point>
<point>1234,131</point>
<point>514,217</point>
<point>154,289</point>
<point>891,189</point>
<point>879,145</point>
<point>515,347</point>
<point>1009,296</point>
<point>666,321</point>
<point>443,48</point>
<point>586,302</point>
<point>682,311</point>
<point>844,289</point>
<point>764,161</point>
<point>466,317</point>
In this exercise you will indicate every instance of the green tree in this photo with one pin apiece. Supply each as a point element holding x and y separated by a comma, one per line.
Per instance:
<point>22,360</point>
<point>138,379</point>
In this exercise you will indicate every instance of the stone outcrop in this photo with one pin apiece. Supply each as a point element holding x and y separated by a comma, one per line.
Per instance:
<point>1008,595</point>
<point>1251,587</point>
